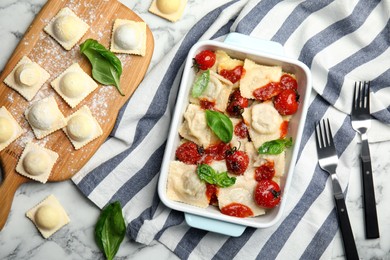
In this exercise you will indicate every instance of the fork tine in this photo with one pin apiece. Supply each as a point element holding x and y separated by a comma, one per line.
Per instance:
<point>360,97</point>
<point>367,94</point>
<point>354,98</point>
<point>329,135</point>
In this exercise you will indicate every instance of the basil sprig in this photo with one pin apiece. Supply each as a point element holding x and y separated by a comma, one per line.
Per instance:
<point>220,124</point>
<point>110,229</point>
<point>106,67</point>
<point>275,146</point>
<point>209,175</point>
<point>200,84</point>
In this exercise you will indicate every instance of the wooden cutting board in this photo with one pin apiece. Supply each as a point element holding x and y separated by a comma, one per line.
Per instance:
<point>104,102</point>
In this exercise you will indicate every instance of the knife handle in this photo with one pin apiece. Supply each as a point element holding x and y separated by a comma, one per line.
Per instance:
<point>370,215</point>
<point>346,230</point>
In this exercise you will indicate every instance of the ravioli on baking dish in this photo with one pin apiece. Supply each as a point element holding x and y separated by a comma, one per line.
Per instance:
<point>231,152</point>
<point>66,28</point>
<point>128,37</point>
<point>27,78</point>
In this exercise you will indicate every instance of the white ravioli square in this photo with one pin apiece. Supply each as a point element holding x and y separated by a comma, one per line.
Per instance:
<point>66,28</point>
<point>45,117</point>
<point>128,37</point>
<point>10,130</point>
<point>27,78</point>
<point>82,127</point>
<point>48,216</point>
<point>172,10</point>
<point>185,186</point>
<point>264,122</point>
<point>241,192</point>
<point>73,85</point>
<point>257,76</point>
<point>36,162</point>
<point>195,128</point>
<point>217,92</point>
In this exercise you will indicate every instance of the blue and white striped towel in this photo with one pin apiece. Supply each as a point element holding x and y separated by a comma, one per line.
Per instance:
<point>341,41</point>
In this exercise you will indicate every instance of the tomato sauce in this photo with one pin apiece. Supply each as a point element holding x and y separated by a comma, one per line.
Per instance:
<point>211,193</point>
<point>237,210</point>
<point>233,75</point>
<point>283,129</point>
<point>205,104</point>
<point>217,151</point>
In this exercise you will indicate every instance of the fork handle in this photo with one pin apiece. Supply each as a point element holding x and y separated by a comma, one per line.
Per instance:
<point>370,215</point>
<point>346,230</point>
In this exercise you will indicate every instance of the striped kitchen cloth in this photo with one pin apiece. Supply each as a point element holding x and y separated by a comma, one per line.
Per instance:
<point>341,41</point>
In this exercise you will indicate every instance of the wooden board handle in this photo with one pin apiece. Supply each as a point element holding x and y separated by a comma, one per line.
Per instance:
<point>8,187</point>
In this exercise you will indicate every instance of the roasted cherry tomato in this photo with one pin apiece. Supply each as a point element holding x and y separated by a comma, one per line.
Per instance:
<point>236,161</point>
<point>286,102</point>
<point>189,153</point>
<point>288,82</point>
<point>241,130</point>
<point>237,210</point>
<point>266,171</point>
<point>267,194</point>
<point>236,103</point>
<point>268,91</point>
<point>233,75</point>
<point>217,151</point>
<point>204,60</point>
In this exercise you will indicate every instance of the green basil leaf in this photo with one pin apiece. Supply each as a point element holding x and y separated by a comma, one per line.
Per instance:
<point>209,175</point>
<point>110,229</point>
<point>223,180</point>
<point>206,173</point>
<point>220,124</point>
<point>106,67</point>
<point>275,146</point>
<point>200,84</point>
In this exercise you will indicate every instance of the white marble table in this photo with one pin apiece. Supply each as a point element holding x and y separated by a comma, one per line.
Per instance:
<point>19,239</point>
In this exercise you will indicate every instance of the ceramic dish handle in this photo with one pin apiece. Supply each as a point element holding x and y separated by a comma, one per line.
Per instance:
<point>218,226</point>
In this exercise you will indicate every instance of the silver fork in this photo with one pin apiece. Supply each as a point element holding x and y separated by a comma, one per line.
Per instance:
<point>327,159</point>
<point>361,123</point>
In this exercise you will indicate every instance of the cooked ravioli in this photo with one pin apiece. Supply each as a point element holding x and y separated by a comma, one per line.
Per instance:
<point>257,76</point>
<point>185,186</point>
<point>172,10</point>
<point>128,37</point>
<point>27,78</point>
<point>48,216</point>
<point>66,28</point>
<point>74,85</point>
<point>241,192</point>
<point>82,128</point>
<point>10,130</point>
<point>195,128</point>
<point>36,162</point>
<point>45,117</point>
<point>264,122</point>
<point>216,92</point>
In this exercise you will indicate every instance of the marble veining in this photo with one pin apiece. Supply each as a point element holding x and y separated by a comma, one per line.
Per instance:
<point>19,239</point>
